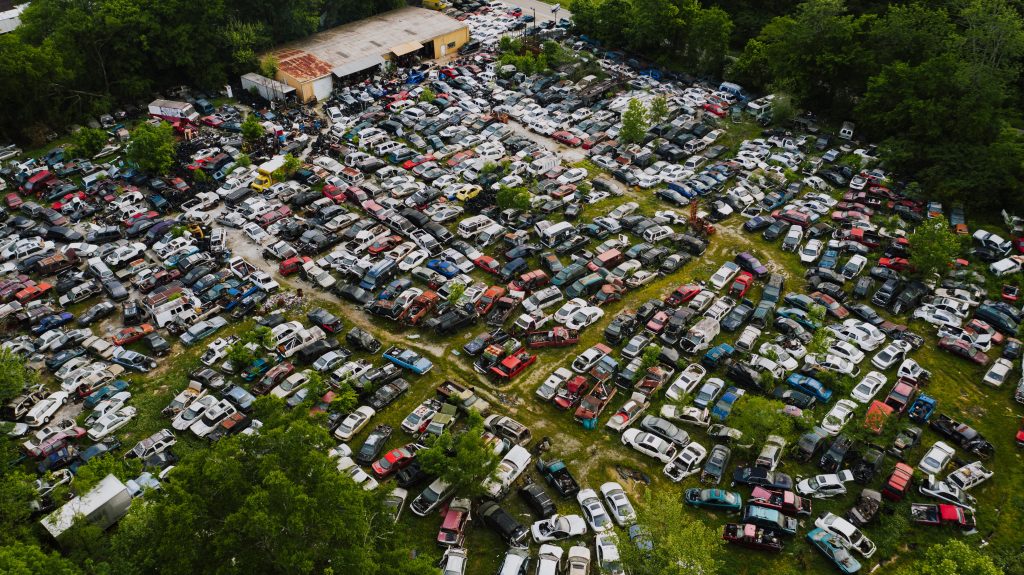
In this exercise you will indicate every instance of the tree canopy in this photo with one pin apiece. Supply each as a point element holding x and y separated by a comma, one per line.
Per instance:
<point>464,460</point>
<point>934,246</point>
<point>677,542</point>
<point>151,147</point>
<point>634,122</point>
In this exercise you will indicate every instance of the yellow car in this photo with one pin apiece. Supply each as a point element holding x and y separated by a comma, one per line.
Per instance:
<point>468,192</point>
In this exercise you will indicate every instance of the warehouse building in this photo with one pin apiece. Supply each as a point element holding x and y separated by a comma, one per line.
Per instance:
<point>311,65</point>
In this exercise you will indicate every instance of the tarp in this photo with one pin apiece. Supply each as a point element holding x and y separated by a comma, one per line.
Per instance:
<point>408,47</point>
<point>358,65</point>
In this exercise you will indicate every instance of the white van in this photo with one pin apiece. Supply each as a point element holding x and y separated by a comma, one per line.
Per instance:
<point>1004,267</point>
<point>384,148</point>
<point>555,233</point>
<point>699,337</point>
<point>490,234</point>
<point>846,131</point>
<point>543,165</point>
<point>335,114</point>
<point>179,310</point>
<point>471,226</point>
<point>657,233</point>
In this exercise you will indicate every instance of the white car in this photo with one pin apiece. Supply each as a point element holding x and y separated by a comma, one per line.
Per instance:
<point>455,560</point>
<point>833,363</point>
<point>837,418</point>
<point>553,383</point>
<point>347,466</point>
<point>594,511</point>
<point>781,355</point>
<point>999,372</point>
<point>868,387</point>
<point>937,458</point>
<point>568,309</point>
<point>572,175</point>
<point>354,422</point>
<point>686,382</point>
<point>43,411</point>
<point>846,351</point>
<point>578,562</point>
<point>811,252</point>
<point>511,466</point>
<point>891,354</point>
<point>549,560</point>
<point>584,317</point>
<point>558,527</point>
<point>587,359</point>
<point>846,532</point>
<point>825,485</point>
<point>938,316</point>
<point>289,386</point>
<point>193,412</point>
<point>862,334</point>
<point>618,503</point>
<point>256,233</point>
<point>724,275</point>
<point>650,444</point>
<point>608,560</point>
<point>212,417</point>
<point>687,463</point>
<point>110,422</point>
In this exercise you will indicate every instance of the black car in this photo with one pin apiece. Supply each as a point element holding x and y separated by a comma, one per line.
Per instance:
<point>132,313</point>
<point>412,475</point>
<point>354,294</point>
<point>115,289</point>
<point>761,477</point>
<point>362,339</point>
<point>388,393</point>
<point>809,444</point>
<point>885,294</point>
<point>157,344</point>
<point>506,526</point>
<point>863,287</point>
<point>373,445</point>
<point>866,313</point>
<point>794,397</point>
<point>93,452</point>
<point>647,311</point>
<point>832,461</point>
<point>775,231</point>
<point>867,466</point>
<point>325,320</point>
<point>538,500</point>
<point>738,315</point>
<point>676,325</point>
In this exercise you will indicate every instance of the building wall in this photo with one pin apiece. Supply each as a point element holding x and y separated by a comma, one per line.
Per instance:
<point>322,87</point>
<point>447,45</point>
<point>304,89</point>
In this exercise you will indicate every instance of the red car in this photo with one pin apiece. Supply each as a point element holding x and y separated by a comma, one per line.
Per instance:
<point>335,193</point>
<point>490,297</point>
<point>384,245</point>
<point>965,350</point>
<point>1020,434</point>
<point>421,159</point>
<point>741,285</point>
<point>657,323</point>
<point>898,264</point>
<point>453,527</point>
<point>682,294</point>
<point>566,138</point>
<point>714,109</point>
<point>55,442</point>
<point>513,365</point>
<point>488,264</point>
<point>849,216</point>
<point>395,460</point>
<point>833,307</point>
<point>325,402</point>
<point>14,201</point>
<point>33,292</point>
<point>211,121</point>
<point>132,334</point>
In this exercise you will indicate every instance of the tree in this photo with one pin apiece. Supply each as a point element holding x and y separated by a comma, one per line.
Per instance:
<point>934,246</point>
<point>634,122</point>
<point>257,504</point>
<point>252,131</point>
<point>464,461</point>
<point>659,110</point>
<point>758,417</point>
<point>87,142</point>
<point>517,198</point>
<point>151,148</point>
<point>952,557</point>
<point>241,355</point>
<point>680,544</point>
<point>15,375</point>
<point>649,357</point>
<point>21,558</point>
<point>821,338</point>
<point>455,293</point>
<point>291,164</point>
<point>269,66</point>
<point>427,95</point>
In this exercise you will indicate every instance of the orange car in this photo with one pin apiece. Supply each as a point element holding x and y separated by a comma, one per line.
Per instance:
<point>33,292</point>
<point>132,334</point>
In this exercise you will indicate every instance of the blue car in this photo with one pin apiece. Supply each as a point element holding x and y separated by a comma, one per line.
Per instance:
<point>443,267</point>
<point>829,260</point>
<point>810,386</point>
<point>799,316</point>
<point>408,359</point>
<point>723,408</point>
<point>715,355</point>
<point>836,551</point>
<point>51,322</point>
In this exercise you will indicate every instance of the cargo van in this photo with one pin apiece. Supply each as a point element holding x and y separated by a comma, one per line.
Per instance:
<point>699,337</point>
<point>543,165</point>
<point>846,131</point>
<point>175,311</point>
<point>556,233</point>
<point>490,234</point>
<point>471,226</point>
<point>379,274</point>
<point>385,148</point>
<point>734,89</point>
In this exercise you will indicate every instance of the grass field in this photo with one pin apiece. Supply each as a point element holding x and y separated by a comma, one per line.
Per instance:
<point>593,455</point>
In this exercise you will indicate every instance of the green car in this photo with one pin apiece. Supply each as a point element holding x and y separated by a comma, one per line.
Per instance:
<point>713,499</point>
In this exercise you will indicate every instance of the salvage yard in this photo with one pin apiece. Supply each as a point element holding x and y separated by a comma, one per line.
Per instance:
<point>335,222</point>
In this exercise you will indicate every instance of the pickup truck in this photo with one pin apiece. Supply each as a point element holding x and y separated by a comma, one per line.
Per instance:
<point>501,311</point>
<point>557,337</point>
<point>419,308</point>
<point>963,435</point>
<point>942,514</point>
<point>558,476</point>
<point>594,403</point>
<point>464,398</point>
<point>99,347</point>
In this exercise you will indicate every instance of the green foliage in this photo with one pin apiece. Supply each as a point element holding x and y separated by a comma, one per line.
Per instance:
<point>151,147</point>
<point>658,112</point>
<point>518,198</point>
<point>934,246</point>
<point>89,475</point>
<point>649,357</point>
<point>240,355</point>
<point>265,494</point>
<point>821,338</point>
<point>634,123</point>
<point>269,66</point>
<point>456,292</point>
<point>28,559</point>
<point>427,95</point>
<point>243,161</point>
<point>15,375</point>
<point>291,164</point>
<point>680,544</point>
<point>252,131</point>
<point>952,557</point>
<point>758,417</point>
<point>87,142</point>
<point>200,176</point>
<point>464,461</point>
